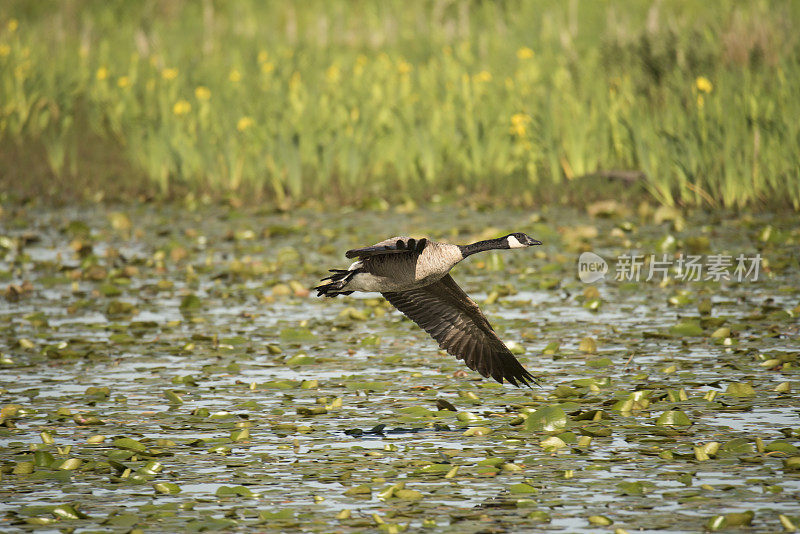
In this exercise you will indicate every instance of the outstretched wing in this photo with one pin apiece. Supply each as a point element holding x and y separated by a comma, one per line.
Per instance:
<point>393,245</point>
<point>454,320</point>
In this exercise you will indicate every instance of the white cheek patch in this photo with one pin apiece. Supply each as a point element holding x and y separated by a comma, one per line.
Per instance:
<point>513,242</point>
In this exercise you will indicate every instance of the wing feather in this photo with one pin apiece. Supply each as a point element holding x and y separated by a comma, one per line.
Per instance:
<point>456,322</point>
<point>393,245</point>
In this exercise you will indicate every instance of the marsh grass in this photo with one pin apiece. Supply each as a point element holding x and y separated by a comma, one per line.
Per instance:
<point>518,101</point>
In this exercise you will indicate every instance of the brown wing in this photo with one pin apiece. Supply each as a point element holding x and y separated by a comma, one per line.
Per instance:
<point>393,245</point>
<point>454,320</point>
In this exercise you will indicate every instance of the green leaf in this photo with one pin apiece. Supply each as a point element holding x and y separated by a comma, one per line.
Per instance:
<point>129,444</point>
<point>522,488</point>
<point>167,488</point>
<point>740,389</point>
<point>687,328</point>
<point>547,418</point>
<point>673,418</point>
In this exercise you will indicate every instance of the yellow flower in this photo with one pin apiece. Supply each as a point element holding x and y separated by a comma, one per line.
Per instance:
<point>524,53</point>
<point>361,62</point>
<point>483,76</point>
<point>123,82</point>
<point>244,123</point>
<point>235,76</point>
<point>332,74</point>
<point>202,93</point>
<point>263,56</point>
<point>295,81</point>
<point>169,74</point>
<point>181,107</point>
<point>4,50</point>
<point>102,73</point>
<point>519,122</point>
<point>404,67</point>
<point>267,67</point>
<point>13,24</point>
<point>703,84</point>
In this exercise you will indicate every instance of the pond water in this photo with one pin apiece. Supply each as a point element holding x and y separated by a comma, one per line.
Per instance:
<point>168,370</point>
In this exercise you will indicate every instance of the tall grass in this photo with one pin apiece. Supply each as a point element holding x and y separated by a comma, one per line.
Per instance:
<point>351,100</point>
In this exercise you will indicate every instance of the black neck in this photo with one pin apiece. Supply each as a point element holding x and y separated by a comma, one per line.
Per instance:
<point>480,246</point>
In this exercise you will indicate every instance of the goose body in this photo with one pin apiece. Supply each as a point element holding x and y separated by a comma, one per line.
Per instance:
<point>413,275</point>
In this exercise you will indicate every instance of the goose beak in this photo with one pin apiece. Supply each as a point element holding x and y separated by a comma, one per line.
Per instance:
<point>532,242</point>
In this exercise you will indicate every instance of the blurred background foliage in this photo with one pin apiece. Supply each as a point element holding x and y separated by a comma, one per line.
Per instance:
<point>521,102</point>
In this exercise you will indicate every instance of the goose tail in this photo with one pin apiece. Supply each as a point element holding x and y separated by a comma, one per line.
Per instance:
<point>337,281</point>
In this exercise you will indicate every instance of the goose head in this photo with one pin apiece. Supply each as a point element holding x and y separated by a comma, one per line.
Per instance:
<point>520,240</point>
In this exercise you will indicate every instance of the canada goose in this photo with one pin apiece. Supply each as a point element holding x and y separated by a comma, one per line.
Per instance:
<point>412,274</point>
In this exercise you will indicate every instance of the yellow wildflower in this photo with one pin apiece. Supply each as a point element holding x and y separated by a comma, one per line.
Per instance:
<point>524,53</point>
<point>102,73</point>
<point>703,84</point>
<point>4,50</point>
<point>404,67</point>
<point>295,81</point>
<point>123,82</point>
<point>13,24</point>
<point>332,73</point>
<point>244,123</point>
<point>169,74</point>
<point>181,107</point>
<point>267,67</point>
<point>519,122</point>
<point>361,62</point>
<point>202,93</point>
<point>263,56</point>
<point>235,76</point>
<point>483,76</point>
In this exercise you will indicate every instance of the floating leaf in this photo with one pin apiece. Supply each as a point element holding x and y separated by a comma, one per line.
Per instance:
<point>173,397</point>
<point>129,444</point>
<point>738,389</point>
<point>673,418</point>
<point>167,488</point>
<point>735,447</point>
<point>547,418</point>
<point>67,511</point>
<point>297,334</point>
<point>362,490</point>
<point>600,520</point>
<point>522,488</point>
<point>70,464</point>
<point>23,468</point>
<point>240,435</point>
<point>477,431</point>
<point>280,515</point>
<point>588,345</point>
<point>687,328</point>
<point>190,302</point>
<point>408,495</point>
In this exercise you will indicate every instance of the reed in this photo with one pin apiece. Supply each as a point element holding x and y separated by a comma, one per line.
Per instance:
<point>349,101</point>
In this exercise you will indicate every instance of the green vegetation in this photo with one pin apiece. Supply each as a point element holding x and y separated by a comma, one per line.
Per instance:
<point>342,101</point>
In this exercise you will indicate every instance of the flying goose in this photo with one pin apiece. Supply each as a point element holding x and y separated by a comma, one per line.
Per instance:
<point>413,275</point>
